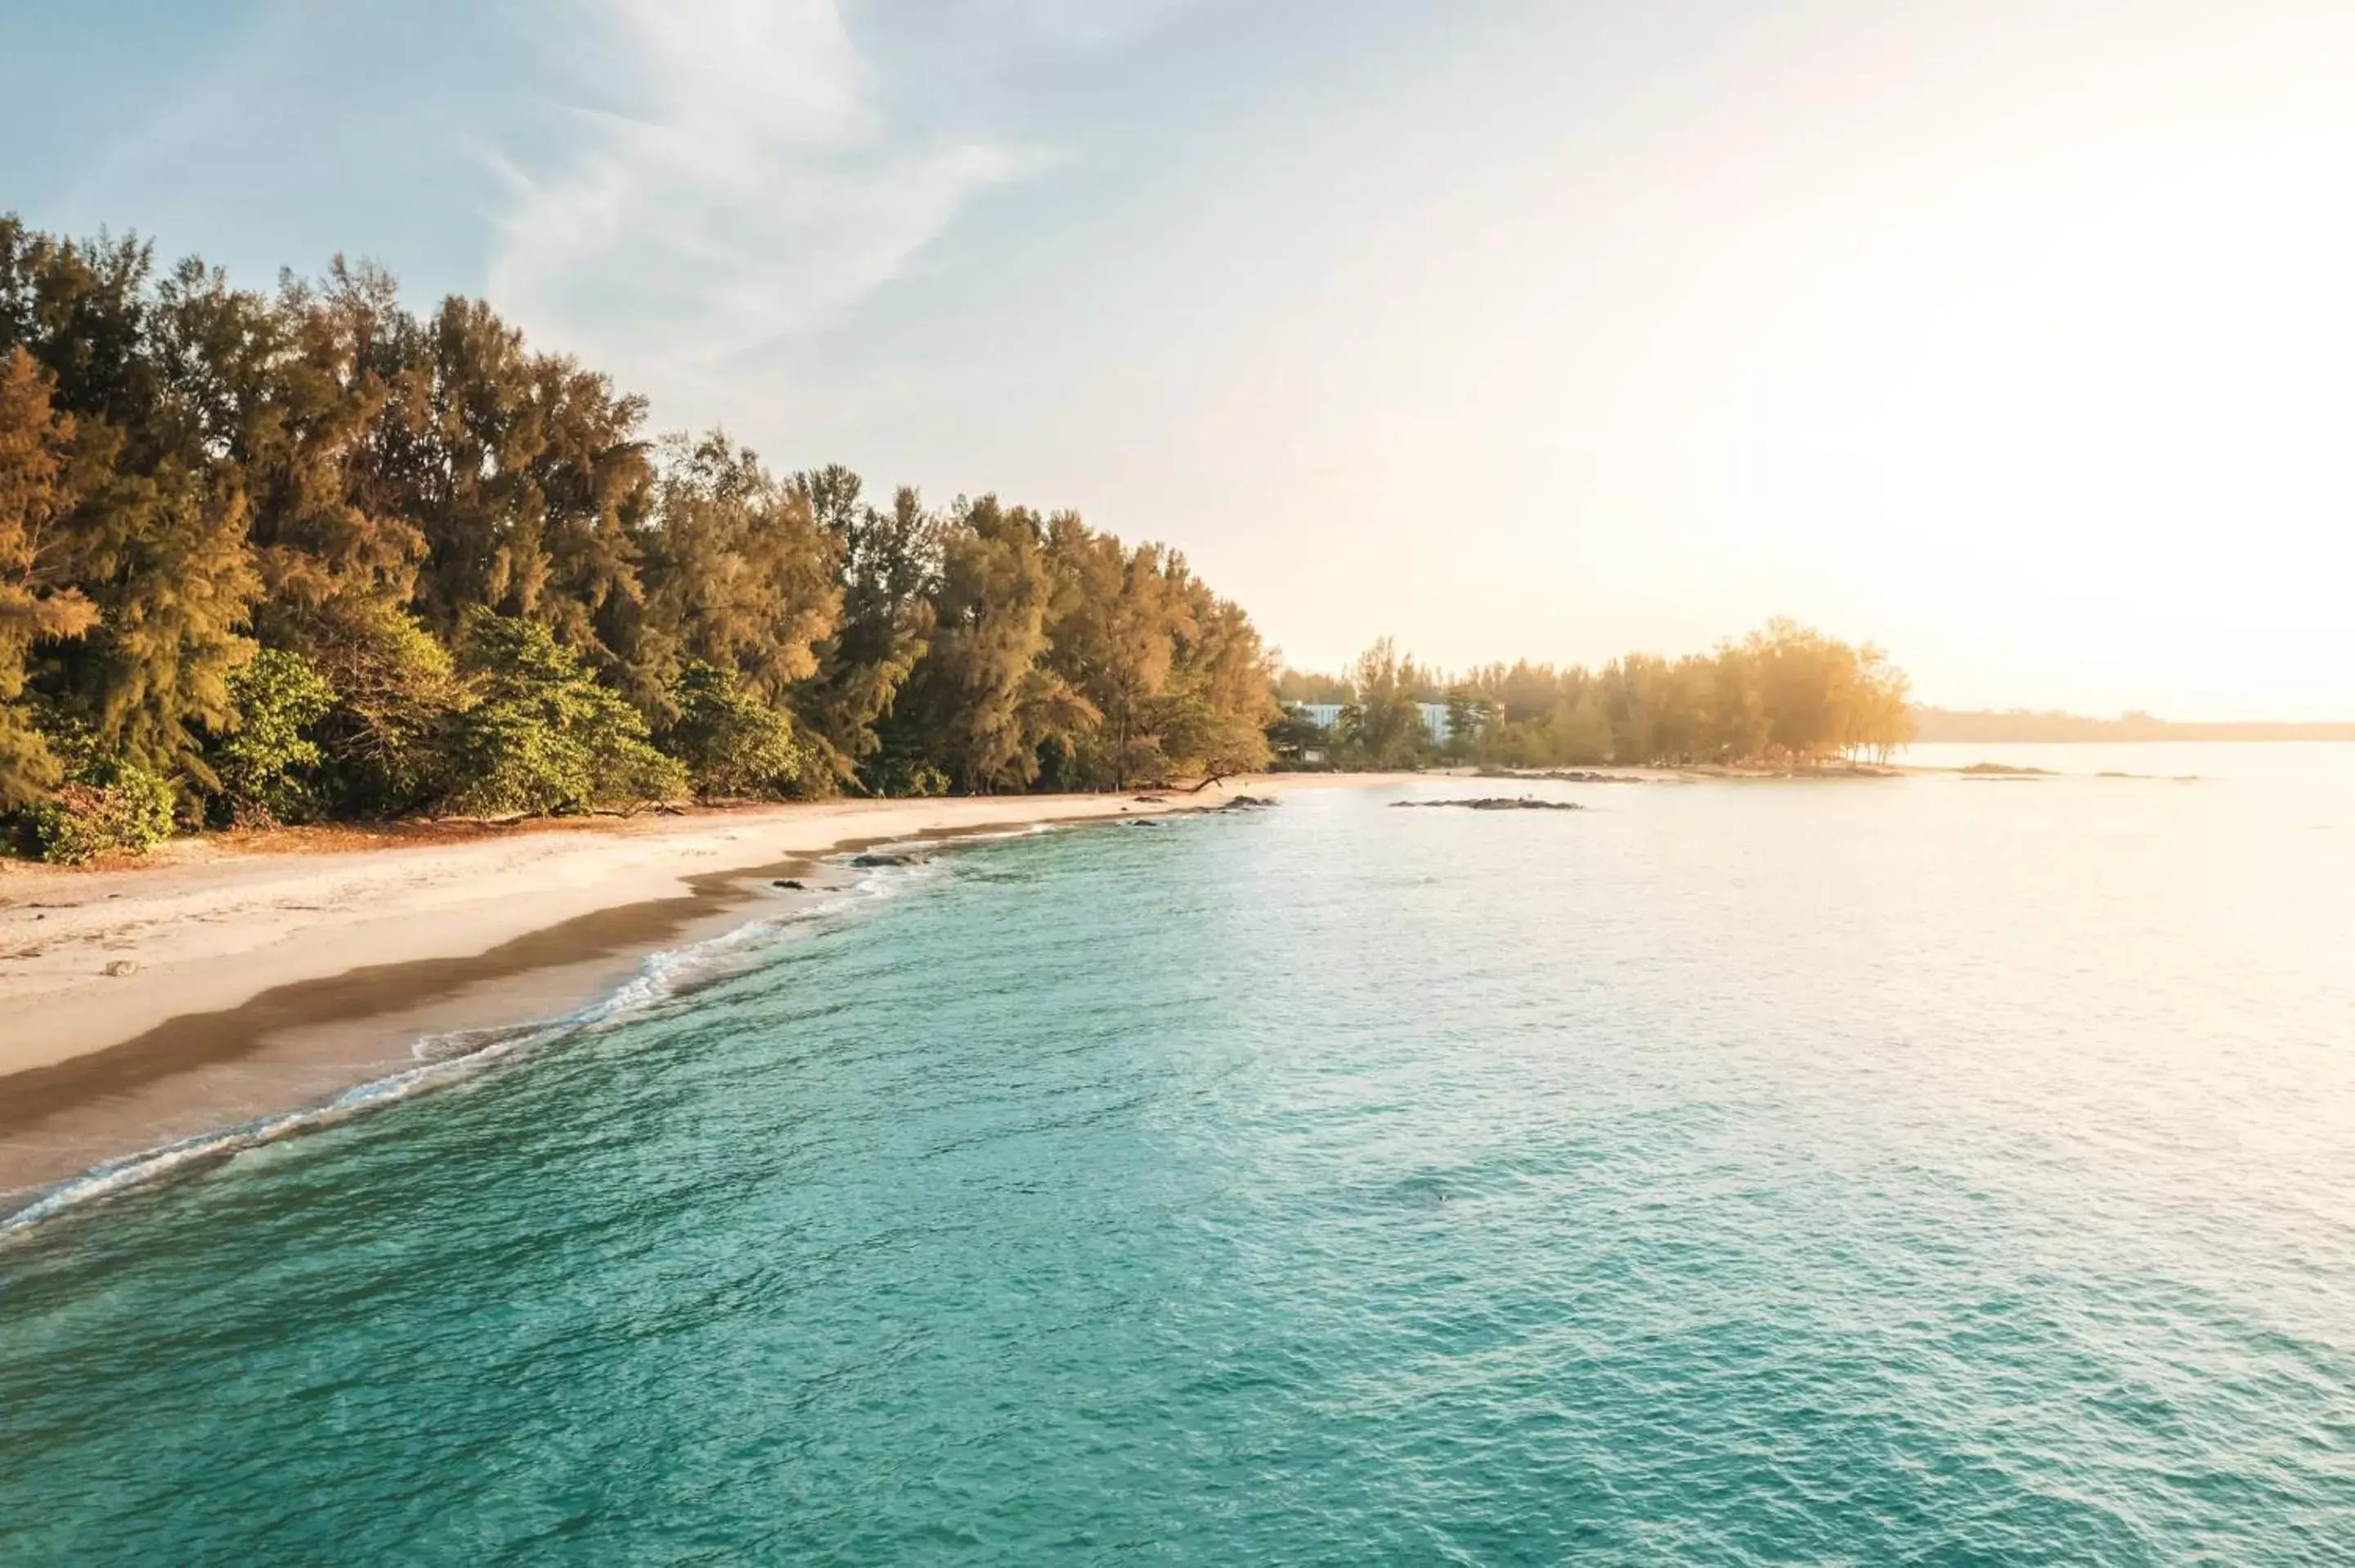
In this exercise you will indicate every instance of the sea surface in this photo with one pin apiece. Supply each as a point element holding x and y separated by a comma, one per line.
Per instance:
<point>1929,1171</point>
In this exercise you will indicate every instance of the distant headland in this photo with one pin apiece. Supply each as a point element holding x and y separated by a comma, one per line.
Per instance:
<point>2019,725</point>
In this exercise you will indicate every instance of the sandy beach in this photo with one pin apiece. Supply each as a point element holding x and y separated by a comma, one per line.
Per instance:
<point>224,983</point>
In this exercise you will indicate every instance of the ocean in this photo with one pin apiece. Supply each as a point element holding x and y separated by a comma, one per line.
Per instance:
<point>1929,1170</point>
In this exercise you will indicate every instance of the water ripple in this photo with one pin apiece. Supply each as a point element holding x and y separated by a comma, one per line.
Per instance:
<point>1329,1185</point>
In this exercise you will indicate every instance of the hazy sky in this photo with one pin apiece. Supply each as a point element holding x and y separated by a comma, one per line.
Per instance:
<point>2017,335</point>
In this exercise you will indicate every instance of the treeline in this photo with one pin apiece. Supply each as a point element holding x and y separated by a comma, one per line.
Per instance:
<point>305,554</point>
<point>1785,694</point>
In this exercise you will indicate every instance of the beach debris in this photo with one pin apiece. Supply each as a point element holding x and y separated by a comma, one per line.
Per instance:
<point>789,885</point>
<point>118,968</point>
<point>869,862</point>
<point>1500,803</point>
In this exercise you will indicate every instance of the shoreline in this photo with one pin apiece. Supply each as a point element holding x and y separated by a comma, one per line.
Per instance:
<point>268,984</point>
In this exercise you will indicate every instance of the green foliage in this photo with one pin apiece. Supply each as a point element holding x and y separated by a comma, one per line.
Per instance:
<point>1469,716</point>
<point>377,503</point>
<point>897,770</point>
<point>1310,686</point>
<point>268,765</point>
<point>117,810</point>
<point>398,699</point>
<point>1382,725</point>
<point>36,490</point>
<point>983,702</point>
<point>732,743</point>
<point>542,735</point>
<point>735,573</point>
<point>307,553</point>
<point>888,563</point>
<point>1783,695</point>
<point>1295,736</point>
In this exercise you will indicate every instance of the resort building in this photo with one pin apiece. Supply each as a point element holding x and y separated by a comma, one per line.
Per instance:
<point>1324,716</point>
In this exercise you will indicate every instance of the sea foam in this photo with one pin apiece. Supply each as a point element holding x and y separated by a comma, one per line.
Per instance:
<point>454,1056</point>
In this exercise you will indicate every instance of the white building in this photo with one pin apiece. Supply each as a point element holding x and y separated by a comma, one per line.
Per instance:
<point>1324,716</point>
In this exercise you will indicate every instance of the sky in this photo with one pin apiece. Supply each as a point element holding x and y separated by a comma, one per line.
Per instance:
<point>2016,337</point>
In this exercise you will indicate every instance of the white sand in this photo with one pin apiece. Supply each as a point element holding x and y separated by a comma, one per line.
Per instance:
<point>209,929</point>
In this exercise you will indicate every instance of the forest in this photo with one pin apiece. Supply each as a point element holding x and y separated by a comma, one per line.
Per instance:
<point>1784,693</point>
<point>303,555</point>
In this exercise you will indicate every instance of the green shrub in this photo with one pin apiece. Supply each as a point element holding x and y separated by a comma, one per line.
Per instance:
<point>733,743</point>
<point>128,814</point>
<point>899,766</point>
<point>397,698</point>
<point>543,738</point>
<point>896,774</point>
<point>268,765</point>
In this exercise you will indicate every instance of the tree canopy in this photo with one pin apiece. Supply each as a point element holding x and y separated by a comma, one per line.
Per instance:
<point>1784,693</point>
<point>303,553</point>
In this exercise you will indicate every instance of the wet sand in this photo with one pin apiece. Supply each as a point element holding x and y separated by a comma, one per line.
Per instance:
<point>270,982</point>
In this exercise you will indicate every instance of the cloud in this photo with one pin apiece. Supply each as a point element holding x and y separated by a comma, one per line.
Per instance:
<point>1080,23</point>
<point>738,185</point>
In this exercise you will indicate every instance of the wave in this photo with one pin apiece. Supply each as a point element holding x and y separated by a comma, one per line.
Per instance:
<point>453,1057</point>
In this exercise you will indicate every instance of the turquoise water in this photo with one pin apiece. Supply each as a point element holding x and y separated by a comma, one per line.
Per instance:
<point>1909,1172</point>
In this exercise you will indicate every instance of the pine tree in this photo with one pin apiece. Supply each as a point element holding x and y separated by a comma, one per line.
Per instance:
<point>35,604</point>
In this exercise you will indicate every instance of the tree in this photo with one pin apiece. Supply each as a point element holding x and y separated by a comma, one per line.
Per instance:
<point>398,698</point>
<point>1468,716</point>
<point>887,567</point>
<point>984,703</point>
<point>1115,623</point>
<point>542,736</point>
<point>1784,694</point>
<point>1382,723</point>
<point>1218,703</point>
<point>268,764</point>
<point>304,551</point>
<point>1309,687</point>
<point>737,574</point>
<point>37,604</point>
<point>732,743</point>
<point>333,529</point>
